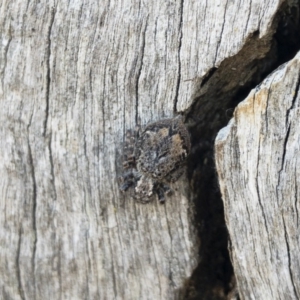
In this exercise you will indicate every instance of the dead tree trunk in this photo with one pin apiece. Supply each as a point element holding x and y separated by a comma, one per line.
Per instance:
<point>257,157</point>
<point>75,75</point>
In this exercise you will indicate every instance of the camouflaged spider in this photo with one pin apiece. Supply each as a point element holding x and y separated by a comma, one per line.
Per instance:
<point>155,158</point>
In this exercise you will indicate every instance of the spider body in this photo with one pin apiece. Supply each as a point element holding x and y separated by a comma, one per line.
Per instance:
<point>158,157</point>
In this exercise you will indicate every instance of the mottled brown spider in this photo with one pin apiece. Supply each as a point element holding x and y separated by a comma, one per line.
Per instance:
<point>154,158</point>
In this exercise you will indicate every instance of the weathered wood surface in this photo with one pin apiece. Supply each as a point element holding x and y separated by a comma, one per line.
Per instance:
<point>258,163</point>
<point>74,76</point>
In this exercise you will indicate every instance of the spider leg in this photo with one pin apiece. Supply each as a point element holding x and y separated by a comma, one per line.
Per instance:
<point>161,195</point>
<point>161,190</point>
<point>167,190</point>
<point>128,179</point>
<point>175,174</point>
<point>129,162</point>
<point>125,186</point>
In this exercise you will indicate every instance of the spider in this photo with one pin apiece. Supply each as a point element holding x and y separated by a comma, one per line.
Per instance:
<point>155,158</point>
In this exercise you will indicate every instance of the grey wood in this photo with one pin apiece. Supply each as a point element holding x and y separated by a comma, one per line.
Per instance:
<point>75,75</point>
<point>257,158</point>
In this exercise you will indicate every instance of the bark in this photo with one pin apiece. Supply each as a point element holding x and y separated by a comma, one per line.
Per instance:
<point>257,157</point>
<point>74,77</point>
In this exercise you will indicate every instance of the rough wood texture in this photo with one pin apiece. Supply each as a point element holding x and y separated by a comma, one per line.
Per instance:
<point>74,76</point>
<point>257,158</point>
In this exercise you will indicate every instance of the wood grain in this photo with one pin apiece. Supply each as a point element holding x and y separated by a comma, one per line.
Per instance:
<point>257,158</point>
<point>75,75</point>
